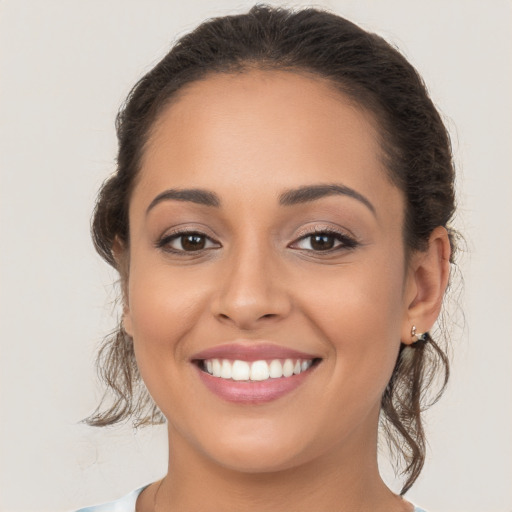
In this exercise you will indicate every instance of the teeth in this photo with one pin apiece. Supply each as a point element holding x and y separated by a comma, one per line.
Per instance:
<point>260,370</point>
<point>225,370</point>
<point>288,368</point>
<point>275,369</point>
<point>257,370</point>
<point>240,370</point>
<point>216,367</point>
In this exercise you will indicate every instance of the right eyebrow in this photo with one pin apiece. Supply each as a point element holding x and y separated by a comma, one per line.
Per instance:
<point>194,195</point>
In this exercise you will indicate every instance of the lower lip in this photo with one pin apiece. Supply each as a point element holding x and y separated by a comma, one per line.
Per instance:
<point>256,392</point>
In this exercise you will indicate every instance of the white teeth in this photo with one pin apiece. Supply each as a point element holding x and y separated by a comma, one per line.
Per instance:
<point>240,370</point>
<point>257,370</point>
<point>217,367</point>
<point>260,370</point>
<point>225,371</point>
<point>288,368</point>
<point>276,369</point>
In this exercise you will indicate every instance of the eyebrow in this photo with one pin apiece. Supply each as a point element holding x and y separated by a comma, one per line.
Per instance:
<point>287,198</point>
<point>193,195</point>
<point>313,192</point>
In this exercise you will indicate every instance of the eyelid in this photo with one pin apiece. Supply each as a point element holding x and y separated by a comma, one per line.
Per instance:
<point>324,228</point>
<point>348,241</point>
<point>176,233</point>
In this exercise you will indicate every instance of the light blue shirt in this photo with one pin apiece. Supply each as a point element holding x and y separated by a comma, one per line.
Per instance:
<point>127,504</point>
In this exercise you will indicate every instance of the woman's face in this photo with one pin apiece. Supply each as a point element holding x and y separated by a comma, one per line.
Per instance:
<point>233,271</point>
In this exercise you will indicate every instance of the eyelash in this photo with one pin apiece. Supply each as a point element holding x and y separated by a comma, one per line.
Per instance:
<point>347,242</point>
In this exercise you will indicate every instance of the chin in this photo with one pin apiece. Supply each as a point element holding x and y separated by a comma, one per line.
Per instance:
<point>244,459</point>
<point>257,450</point>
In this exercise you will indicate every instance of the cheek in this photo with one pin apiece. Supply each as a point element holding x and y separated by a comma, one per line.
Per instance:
<point>359,311</point>
<point>359,298</point>
<point>162,309</point>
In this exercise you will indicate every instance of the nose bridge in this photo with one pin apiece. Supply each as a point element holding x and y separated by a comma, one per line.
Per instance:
<point>250,288</point>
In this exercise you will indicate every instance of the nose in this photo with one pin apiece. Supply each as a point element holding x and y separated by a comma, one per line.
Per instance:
<point>252,290</point>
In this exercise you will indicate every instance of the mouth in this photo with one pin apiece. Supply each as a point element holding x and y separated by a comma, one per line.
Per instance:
<point>255,371</point>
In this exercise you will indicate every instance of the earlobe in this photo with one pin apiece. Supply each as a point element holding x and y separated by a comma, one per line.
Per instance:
<point>120,253</point>
<point>429,272</point>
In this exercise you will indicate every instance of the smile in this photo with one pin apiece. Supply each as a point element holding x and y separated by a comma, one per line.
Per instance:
<point>261,370</point>
<point>253,371</point>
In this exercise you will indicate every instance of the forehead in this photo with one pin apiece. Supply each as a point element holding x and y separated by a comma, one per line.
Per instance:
<point>280,127</point>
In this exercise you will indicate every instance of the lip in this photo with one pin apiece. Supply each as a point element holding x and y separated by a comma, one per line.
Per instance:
<point>251,351</point>
<point>252,393</point>
<point>255,392</point>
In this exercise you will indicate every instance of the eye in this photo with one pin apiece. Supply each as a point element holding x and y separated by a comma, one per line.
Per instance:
<point>325,240</point>
<point>185,241</point>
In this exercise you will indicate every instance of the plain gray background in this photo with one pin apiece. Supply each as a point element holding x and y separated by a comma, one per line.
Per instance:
<point>65,67</point>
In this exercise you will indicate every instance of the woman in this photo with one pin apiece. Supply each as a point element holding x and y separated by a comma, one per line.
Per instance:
<point>280,222</point>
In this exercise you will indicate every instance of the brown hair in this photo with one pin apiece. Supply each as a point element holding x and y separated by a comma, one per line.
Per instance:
<point>418,158</point>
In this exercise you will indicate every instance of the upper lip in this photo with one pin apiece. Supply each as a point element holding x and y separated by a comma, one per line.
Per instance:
<point>252,351</point>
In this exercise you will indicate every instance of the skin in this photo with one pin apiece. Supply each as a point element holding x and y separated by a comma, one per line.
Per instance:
<point>248,138</point>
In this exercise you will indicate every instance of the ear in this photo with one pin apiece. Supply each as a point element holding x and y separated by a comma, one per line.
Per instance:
<point>427,280</point>
<point>121,256</point>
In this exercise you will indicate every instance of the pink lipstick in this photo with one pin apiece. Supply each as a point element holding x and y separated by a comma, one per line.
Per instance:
<point>255,373</point>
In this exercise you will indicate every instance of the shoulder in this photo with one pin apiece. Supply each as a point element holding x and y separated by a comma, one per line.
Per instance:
<point>418,509</point>
<point>124,504</point>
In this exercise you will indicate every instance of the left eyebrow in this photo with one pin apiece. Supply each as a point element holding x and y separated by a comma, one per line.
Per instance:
<point>313,192</point>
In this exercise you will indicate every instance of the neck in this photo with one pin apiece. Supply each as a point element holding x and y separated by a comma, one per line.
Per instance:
<point>345,479</point>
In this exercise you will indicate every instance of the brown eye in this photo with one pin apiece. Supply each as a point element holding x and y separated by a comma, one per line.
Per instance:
<point>192,242</point>
<point>322,242</point>
<point>183,242</point>
<point>325,241</point>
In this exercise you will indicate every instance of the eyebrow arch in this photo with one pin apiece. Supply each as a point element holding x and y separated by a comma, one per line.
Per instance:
<point>194,195</point>
<point>313,192</point>
<point>288,198</point>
